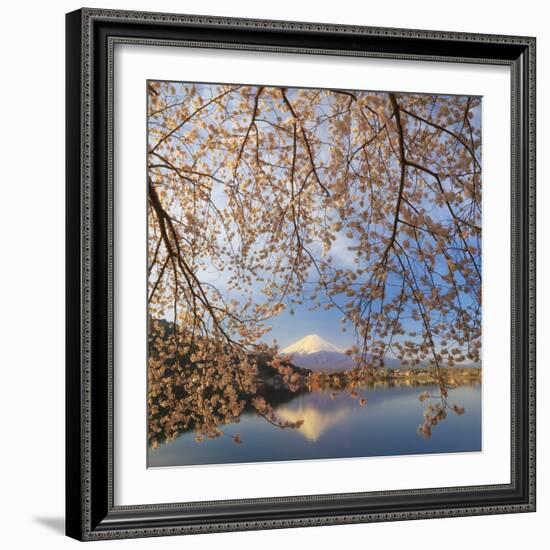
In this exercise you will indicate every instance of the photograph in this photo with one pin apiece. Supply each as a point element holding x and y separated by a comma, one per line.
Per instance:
<point>314,273</point>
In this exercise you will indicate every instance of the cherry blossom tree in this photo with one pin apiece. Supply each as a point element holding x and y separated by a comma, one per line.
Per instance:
<point>255,191</point>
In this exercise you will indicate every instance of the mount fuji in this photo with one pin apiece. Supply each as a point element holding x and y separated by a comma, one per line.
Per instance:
<point>315,353</point>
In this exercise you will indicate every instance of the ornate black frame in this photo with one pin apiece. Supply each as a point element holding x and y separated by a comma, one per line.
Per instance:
<point>90,510</point>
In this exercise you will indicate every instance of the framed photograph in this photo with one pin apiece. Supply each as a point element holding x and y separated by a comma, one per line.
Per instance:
<point>300,274</point>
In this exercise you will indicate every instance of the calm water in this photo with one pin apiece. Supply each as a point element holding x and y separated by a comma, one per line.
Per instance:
<point>337,428</point>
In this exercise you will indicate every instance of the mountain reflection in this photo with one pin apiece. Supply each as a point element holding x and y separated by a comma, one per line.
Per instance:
<point>318,412</point>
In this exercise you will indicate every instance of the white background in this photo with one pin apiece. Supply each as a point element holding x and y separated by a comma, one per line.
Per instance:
<point>134,484</point>
<point>32,93</point>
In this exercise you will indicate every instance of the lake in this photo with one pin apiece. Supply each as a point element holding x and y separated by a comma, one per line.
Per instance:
<point>337,428</point>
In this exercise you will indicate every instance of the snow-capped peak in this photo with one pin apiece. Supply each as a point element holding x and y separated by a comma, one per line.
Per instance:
<point>312,343</point>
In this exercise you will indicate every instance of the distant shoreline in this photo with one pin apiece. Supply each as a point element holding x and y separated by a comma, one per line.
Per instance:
<point>452,376</point>
<point>310,380</point>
